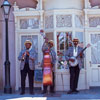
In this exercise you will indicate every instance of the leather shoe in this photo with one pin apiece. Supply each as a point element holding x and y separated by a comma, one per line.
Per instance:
<point>52,91</point>
<point>44,92</point>
<point>76,91</point>
<point>70,92</point>
<point>31,93</point>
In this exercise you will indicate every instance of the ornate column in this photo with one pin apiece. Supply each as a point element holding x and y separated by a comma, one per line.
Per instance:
<point>86,35</point>
<point>73,25</point>
<point>86,18</point>
<point>39,5</point>
<point>15,7</point>
<point>87,4</point>
<point>41,20</point>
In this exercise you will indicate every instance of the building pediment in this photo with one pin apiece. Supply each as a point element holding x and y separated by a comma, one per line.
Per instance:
<point>25,3</point>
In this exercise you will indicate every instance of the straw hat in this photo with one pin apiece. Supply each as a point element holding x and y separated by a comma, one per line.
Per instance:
<point>28,41</point>
<point>75,40</point>
<point>51,42</point>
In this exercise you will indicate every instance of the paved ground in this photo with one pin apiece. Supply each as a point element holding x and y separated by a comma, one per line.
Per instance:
<point>92,94</point>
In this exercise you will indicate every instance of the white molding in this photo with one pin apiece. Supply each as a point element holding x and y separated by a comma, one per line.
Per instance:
<point>95,12</point>
<point>93,29</point>
<point>87,4</point>
<point>64,11</point>
<point>27,13</point>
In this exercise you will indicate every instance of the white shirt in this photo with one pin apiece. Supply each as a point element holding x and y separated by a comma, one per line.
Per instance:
<point>75,51</point>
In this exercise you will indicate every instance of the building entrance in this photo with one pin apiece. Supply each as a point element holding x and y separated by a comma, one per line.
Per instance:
<point>94,58</point>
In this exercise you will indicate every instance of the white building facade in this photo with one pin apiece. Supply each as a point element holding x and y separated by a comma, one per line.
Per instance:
<point>61,20</point>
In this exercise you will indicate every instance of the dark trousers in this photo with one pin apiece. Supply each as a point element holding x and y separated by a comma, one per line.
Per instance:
<point>24,73</point>
<point>51,86</point>
<point>74,76</point>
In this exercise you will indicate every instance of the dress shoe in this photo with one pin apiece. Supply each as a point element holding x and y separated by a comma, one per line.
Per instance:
<point>22,93</point>
<point>44,92</point>
<point>31,92</point>
<point>52,92</point>
<point>70,92</point>
<point>76,91</point>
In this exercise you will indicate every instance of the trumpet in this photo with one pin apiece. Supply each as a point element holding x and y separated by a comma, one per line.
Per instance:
<point>24,54</point>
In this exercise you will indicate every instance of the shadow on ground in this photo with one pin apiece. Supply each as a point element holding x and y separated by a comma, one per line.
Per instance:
<point>92,93</point>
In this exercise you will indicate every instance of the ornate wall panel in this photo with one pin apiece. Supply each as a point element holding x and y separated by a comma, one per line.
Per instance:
<point>49,22</point>
<point>79,21</point>
<point>79,35</point>
<point>32,23</point>
<point>63,21</point>
<point>95,49</point>
<point>94,21</point>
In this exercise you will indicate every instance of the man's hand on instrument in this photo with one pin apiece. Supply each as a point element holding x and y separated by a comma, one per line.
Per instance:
<point>65,63</point>
<point>72,60</point>
<point>81,55</point>
<point>27,53</point>
<point>23,54</point>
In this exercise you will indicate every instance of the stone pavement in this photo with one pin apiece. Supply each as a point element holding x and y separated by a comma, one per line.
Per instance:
<point>91,94</point>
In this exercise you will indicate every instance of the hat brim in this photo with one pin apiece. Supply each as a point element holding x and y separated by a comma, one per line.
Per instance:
<point>75,40</point>
<point>27,43</point>
<point>51,43</point>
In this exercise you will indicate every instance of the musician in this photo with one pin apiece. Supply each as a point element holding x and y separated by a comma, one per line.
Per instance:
<point>27,57</point>
<point>49,45</point>
<point>74,71</point>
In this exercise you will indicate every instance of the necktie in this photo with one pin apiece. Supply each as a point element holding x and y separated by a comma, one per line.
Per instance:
<point>27,59</point>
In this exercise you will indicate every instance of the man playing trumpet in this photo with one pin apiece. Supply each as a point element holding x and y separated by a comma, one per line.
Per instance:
<point>27,66</point>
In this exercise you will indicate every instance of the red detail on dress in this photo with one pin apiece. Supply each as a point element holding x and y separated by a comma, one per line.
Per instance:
<point>47,70</point>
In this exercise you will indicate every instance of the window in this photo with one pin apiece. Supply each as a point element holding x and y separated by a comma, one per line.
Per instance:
<point>95,48</point>
<point>79,35</point>
<point>32,23</point>
<point>63,42</point>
